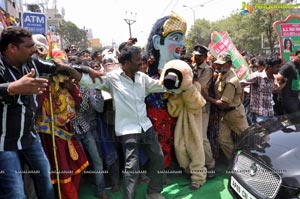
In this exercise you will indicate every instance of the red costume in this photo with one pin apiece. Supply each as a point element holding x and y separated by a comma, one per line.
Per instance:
<point>162,122</point>
<point>70,155</point>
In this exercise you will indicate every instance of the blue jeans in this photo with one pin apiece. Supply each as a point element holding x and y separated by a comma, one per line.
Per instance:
<point>108,149</point>
<point>249,115</point>
<point>11,182</point>
<point>260,118</point>
<point>89,144</point>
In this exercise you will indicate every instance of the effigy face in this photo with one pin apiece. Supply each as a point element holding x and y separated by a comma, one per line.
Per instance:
<point>172,47</point>
<point>166,40</point>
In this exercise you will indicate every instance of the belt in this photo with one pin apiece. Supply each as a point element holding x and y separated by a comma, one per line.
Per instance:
<point>226,110</point>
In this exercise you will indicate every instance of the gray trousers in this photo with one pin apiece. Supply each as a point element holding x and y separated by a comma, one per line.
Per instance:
<point>148,141</point>
<point>209,159</point>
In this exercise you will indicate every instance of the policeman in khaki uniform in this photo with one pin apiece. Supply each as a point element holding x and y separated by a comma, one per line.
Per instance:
<point>203,74</point>
<point>229,101</point>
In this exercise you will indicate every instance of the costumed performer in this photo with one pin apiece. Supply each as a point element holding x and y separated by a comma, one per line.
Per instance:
<point>186,105</point>
<point>165,43</point>
<point>70,155</point>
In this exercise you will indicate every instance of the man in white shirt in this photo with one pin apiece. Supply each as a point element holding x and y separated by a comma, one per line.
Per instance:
<point>129,87</point>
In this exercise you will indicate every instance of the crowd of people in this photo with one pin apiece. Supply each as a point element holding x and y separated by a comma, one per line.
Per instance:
<point>69,113</point>
<point>9,20</point>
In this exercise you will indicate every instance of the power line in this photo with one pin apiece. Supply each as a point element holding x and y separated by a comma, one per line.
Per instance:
<point>208,1</point>
<point>175,4</point>
<point>204,3</point>
<point>162,14</point>
<point>216,1</point>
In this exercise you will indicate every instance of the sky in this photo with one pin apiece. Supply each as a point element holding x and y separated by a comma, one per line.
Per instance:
<point>106,17</point>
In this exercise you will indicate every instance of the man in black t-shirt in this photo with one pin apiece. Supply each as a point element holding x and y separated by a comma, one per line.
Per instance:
<point>289,78</point>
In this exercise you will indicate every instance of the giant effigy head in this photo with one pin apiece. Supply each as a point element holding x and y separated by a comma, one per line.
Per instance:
<point>165,41</point>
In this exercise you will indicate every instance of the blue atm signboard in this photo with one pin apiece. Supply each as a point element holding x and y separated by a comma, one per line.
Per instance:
<point>34,21</point>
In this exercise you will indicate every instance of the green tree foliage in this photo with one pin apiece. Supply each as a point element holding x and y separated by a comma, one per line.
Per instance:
<point>198,34</point>
<point>73,35</point>
<point>245,30</point>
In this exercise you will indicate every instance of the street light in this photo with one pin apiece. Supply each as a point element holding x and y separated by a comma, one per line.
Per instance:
<point>186,6</point>
<point>192,8</point>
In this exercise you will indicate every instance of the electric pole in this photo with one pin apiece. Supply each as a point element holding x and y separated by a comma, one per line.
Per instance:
<point>129,21</point>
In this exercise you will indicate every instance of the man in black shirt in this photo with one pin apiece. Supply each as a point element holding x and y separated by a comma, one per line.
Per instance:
<point>289,78</point>
<point>19,83</point>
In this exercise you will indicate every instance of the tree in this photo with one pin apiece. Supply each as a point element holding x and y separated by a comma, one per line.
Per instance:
<point>245,30</point>
<point>199,34</point>
<point>73,35</point>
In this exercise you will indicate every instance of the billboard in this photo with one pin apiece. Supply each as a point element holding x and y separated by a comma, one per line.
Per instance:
<point>34,21</point>
<point>288,32</point>
<point>221,42</point>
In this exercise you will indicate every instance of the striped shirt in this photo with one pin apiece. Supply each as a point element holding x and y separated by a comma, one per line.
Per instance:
<point>261,99</point>
<point>80,123</point>
<point>17,118</point>
<point>91,101</point>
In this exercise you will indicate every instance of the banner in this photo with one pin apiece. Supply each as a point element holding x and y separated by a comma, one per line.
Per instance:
<point>288,33</point>
<point>221,42</point>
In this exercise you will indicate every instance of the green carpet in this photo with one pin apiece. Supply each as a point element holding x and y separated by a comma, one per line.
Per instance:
<point>178,189</point>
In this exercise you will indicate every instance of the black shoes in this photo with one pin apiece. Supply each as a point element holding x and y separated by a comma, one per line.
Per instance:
<point>211,173</point>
